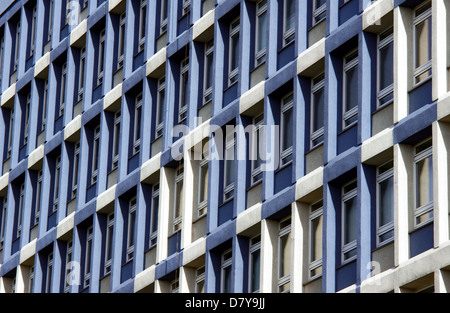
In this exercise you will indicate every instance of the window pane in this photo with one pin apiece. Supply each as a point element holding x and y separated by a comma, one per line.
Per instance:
<point>316,238</point>
<point>351,92</point>
<point>209,70</point>
<point>179,199</point>
<point>262,29</point>
<point>288,126</point>
<point>350,210</point>
<point>424,182</point>
<point>234,52</point>
<point>256,260</point>
<point>227,279</point>
<point>290,14</point>
<point>386,66</point>
<point>319,102</point>
<point>155,214</point>
<point>203,183</point>
<point>285,256</point>
<point>423,42</point>
<point>162,96</point>
<point>386,201</point>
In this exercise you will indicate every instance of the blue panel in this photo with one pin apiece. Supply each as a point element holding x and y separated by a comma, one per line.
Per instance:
<point>64,31</point>
<point>15,246</point>
<point>126,272</point>
<point>286,55</point>
<point>22,153</point>
<point>420,96</point>
<point>346,276</point>
<point>348,10</point>
<point>230,94</point>
<point>183,24</point>
<point>138,60</point>
<point>225,212</point>
<point>133,163</point>
<point>97,93</point>
<point>51,221</point>
<point>406,130</point>
<point>29,64</point>
<point>91,192</point>
<point>174,243</point>
<point>347,139</point>
<point>421,240</point>
<point>283,179</point>
<point>59,124</point>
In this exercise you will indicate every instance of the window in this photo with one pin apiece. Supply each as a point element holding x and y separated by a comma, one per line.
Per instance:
<point>50,21</point>
<point>284,256</point>
<point>48,281</point>
<point>164,14</point>
<point>26,119</point>
<point>116,140</point>
<point>31,280</point>
<point>175,285</point>
<point>20,210</point>
<point>87,261</point>
<point>69,251</point>
<point>184,80</point>
<point>44,106</point>
<point>142,21</point>
<point>319,11</point>
<point>160,106</point>
<point>76,161</point>
<point>37,207</point>
<point>385,203</point>
<point>56,184</point>
<point>109,242</point>
<point>349,221</point>
<point>131,222</point>
<point>385,68</point>
<point>81,74</point>
<point>101,53</point>
<point>121,40</point>
<point>287,128</point>
<point>350,92</point>
<point>315,239</point>
<point>10,131</point>
<point>137,124</point>
<point>178,201</point>
<point>289,22</point>
<point>62,95</point>
<point>16,46</point>
<point>423,183</point>
<point>32,30</point>
<point>261,32</point>
<point>317,110</point>
<point>203,187</point>
<point>234,54</point>
<point>2,49</point>
<point>228,190</point>
<point>209,71</point>
<point>226,265</point>
<point>154,221</point>
<point>200,280</point>
<point>422,43</point>
<point>95,150</point>
<point>256,141</point>
<point>255,264</point>
<point>3,222</point>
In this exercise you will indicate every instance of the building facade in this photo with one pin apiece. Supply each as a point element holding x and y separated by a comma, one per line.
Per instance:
<point>107,107</point>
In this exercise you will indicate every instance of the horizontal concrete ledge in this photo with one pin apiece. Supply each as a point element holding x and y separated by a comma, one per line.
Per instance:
<point>197,135</point>
<point>443,108</point>
<point>311,62</point>
<point>72,130</point>
<point>106,198</point>
<point>116,6</point>
<point>65,226</point>
<point>41,66</point>
<point>4,182</point>
<point>7,100</point>
<point>308,184</point>
<point>194,251</point>
<point>112,98</point>
<point>144,278</point>
<point>375,146</point>
<point>374,15</point>
<point>249,99</point>
<point>28,251</point>
<point>155,65</point>
<point>248,218</point>
<point>203,29</point>
<point>78,34</point>
<point>36,156</point>
<point>150,167</point>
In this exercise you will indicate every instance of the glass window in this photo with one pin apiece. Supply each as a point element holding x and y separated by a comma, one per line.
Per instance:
<point>319,11</point>
<point>284,256</point>
<point>81,74</point>
<point>179,200</point>
<point>423,181</point>
<point>155,210</point>
<point>37,207</point>
<point>121,40</point>
<point>76,161</point>
<point>287,128</point>
<point>26,119</point>
<point>131,226</point>
<point>227,261</point>
<point>69,251</point>
<point>203,187</point>
<point>62,94</point>
<point>261,31</point>
<point>20,210</point>
<point>317,110</point>
<point>350,101</point>
<point>255,264</point>
<point>316,239</point>
<point>385,68</point>
<point>385,203</point>
<point>234,55</point>
<point>109,242</point>
<point>56,184</point>
<point>95,153</point>
<point>349,221</point>
<point>422,42</point>
<point>3,221</point>
<point>48,280</point>
<point>184,90</point>
<point>209,71</point>
<point>289,21</point>
<point>229,164</point>
<point>116,140</point>
<point>200,280</point>
<point>101,57</point>
<point>256,141</point>
<point>142,23</point>
<point>87,264</point>
<point>164,14</point>
<point>137,124</point>
<point>160,107</point>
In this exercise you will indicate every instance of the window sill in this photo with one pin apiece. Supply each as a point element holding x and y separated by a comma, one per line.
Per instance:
<point>315,147</point>
<point>256,67</point>
<point>285,46</point>
<point>415,86</point>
